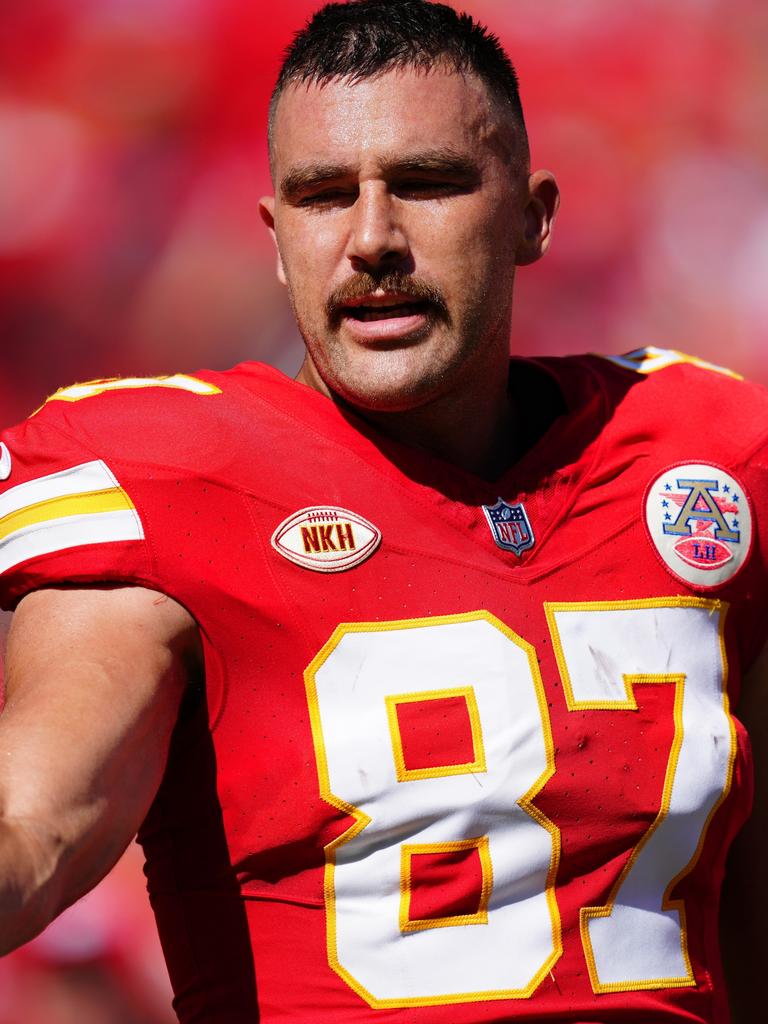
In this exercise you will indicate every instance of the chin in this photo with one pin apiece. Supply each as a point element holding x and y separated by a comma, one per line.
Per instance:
<point>401,378</point>
<point>389,395</point>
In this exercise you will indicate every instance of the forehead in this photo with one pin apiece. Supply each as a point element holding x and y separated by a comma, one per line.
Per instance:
<point>402,110</point>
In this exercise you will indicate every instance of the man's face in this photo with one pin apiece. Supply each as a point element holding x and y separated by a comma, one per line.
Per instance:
<point>402,208</point>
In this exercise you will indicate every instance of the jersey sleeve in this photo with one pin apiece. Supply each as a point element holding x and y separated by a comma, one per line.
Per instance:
<point>67,516</point>
<point>710,416</point>
<point>756,471</point>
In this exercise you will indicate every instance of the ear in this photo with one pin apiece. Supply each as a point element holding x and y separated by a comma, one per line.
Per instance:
<point>539,214</point>
<point>267,212</point>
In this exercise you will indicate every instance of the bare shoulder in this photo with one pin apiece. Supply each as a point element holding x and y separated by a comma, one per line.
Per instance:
<point>110,626</point>
<point>121,614</point>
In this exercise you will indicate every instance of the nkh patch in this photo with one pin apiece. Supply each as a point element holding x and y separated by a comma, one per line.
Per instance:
<point>699,521</point>
<point>510,527</point>
<point>326,538</point>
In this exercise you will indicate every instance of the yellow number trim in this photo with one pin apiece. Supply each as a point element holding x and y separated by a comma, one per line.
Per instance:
<point>466,768</point>
<point>91,388</point>
<point>362,819</point>
<point>115,500</point>
<point>688,979</point>
<point>715,607</point>
<point>408,850</point>
<point>651,359</point>
<point>552,608</point>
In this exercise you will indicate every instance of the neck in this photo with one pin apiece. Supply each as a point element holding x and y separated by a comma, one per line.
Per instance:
<point>472,426</point>
<point>475,434</point>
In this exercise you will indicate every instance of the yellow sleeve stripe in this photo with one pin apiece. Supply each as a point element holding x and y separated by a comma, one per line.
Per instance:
<point>115,500</point>
<point>81,479</point>
<point>80,505</point>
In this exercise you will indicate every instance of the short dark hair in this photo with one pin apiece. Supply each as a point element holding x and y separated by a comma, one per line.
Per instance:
<point>363,38</point>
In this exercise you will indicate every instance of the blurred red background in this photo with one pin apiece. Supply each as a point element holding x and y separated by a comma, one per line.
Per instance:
<point>132,157</point>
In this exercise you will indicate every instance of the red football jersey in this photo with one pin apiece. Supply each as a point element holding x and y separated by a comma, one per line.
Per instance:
<point>465,751</point>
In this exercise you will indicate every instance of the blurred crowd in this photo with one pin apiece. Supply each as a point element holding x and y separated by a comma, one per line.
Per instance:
<point>132,157</point>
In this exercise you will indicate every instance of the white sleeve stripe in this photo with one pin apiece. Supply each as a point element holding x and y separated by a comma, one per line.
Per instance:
<point>73,531</point>
<point>90,476</point>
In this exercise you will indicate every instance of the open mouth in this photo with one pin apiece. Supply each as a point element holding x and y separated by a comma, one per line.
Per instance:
<point>393,311</point>
<point>365,313</point>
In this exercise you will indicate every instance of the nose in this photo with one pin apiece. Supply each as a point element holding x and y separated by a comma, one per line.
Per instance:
<point>376,236</point>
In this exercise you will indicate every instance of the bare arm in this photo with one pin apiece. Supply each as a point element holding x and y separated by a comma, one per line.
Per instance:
<point>93,684</point>
<point>744,909</point>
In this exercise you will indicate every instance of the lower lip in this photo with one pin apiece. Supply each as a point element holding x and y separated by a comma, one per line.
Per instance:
<point>389,330</point>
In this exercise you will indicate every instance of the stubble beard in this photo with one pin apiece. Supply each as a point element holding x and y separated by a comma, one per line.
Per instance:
<point>401,377</point>
<point>381,380</point>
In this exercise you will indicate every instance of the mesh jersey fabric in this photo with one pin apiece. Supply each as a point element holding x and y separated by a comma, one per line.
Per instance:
<point>298,870</point>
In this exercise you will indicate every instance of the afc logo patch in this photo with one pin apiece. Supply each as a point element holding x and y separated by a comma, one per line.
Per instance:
<point>699,520</point>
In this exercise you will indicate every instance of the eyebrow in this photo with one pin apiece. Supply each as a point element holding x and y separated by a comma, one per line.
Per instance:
<point>433,161</point>
<point>439,161</point>
<point>300,179</point>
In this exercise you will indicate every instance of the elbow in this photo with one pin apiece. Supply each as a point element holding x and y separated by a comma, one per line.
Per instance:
<point>30,894</point>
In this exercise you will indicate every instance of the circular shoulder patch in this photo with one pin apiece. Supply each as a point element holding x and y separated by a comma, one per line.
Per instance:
<point>699,521</point>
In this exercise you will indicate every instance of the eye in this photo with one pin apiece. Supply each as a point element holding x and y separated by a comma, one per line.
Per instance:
<point>328,197</point>
<point>425,188</point>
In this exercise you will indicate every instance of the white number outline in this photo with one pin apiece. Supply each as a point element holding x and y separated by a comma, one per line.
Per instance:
<point>630,681</point>
<point>652,359</point>
<point>362,819</point>
<point>93,388</point>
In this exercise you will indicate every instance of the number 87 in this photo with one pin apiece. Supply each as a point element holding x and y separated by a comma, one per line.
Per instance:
<point>485,804</point>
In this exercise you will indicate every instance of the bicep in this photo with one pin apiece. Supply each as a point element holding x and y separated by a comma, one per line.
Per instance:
<point>93,684</point>
<point>745,892</point>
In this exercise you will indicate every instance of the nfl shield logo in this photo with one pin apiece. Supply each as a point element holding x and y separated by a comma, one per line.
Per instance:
<point>510,527</point>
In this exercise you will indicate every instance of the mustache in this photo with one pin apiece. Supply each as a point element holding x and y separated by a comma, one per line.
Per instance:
<point>362,284</point>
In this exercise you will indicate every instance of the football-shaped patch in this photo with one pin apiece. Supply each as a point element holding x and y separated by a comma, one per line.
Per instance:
<point>699,520</point>
<point>326,538</point>
<point>714,556</point>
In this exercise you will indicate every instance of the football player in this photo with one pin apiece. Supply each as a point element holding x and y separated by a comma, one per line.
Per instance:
<point>420,676</point>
